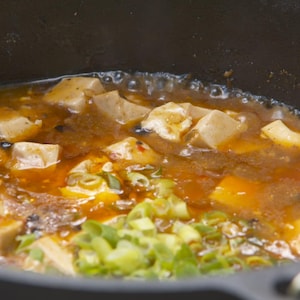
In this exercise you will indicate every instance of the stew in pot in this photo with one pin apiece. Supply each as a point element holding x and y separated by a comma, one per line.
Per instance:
<point>149,176</point>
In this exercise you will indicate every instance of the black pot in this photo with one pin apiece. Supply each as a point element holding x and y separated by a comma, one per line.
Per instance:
<point>258,40</point>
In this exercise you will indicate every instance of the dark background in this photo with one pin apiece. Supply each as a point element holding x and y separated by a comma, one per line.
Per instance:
<point>258,40</point>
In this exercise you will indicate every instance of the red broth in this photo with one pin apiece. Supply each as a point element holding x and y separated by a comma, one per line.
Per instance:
<point>147,176</point>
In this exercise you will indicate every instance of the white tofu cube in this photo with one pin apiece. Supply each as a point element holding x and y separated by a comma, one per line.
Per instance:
<point>196,112</point>
<point>280,134</point>
<point>213,130</point>
<point>169,121</point>
<point>14,127</point>
<point>132,150</point>
<point>58,256</point>
<point>74,92</point>
<point>118,108</point>
<point>26,155</point>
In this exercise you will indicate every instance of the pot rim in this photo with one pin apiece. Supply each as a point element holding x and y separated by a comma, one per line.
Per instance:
<point>261,284</point>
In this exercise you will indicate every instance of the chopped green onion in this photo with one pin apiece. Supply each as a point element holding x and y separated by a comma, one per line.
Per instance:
<point>208,257</point>
<point>226,250</point>
<point>171,240</point>
<point>179,208</point>
<point>74,177</point>
<point>89,257</point>
<point>36,254</point>
<point>146,243</point>
<point>157,173</point>
<point>90,181</point>
<point>130,234</point>
<point>255,261</point>
<point>148,274</point>
<point>113,182</point>
<point>83,240</point>
<point>185,254</point>
<point>236,243</point>
<point>188,234</point>
<point>186,270</point>
<point>214,218</point>
<point>95,228</point>
<point>164,256</point>
<point>124,260</point>
<point>25,241</point>
<point>138,249</point>
<point>161,207</point>
<point>204,229</point>
<point>88,263</point>
<point>164,187</point>
<point>144,225</point>
<point>237,263</point>
<point>214,237</point>
<point>138,179</point>
<point>185,263</point>
<point>212,263</point>
<point>101,246</point>
<point>141,210</point>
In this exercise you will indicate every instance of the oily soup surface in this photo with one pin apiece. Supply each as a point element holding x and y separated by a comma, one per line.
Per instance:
<point>146,176</point>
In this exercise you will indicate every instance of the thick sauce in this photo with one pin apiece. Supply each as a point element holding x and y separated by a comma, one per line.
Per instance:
<point>235,186</point>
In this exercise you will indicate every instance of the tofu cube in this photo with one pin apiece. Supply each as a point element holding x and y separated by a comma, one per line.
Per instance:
<point>196,112</point>
<point>213,130</point>
<point>27,155</point>
<point>132,150</point>
<point>280,134</point>
<point>169,121</point>
<point>55,254</point>
<point>118,108</point>
<point>15,127</point>
<point>74,92</point>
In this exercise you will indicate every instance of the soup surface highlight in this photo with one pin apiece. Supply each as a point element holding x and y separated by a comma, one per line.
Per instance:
<point>152,176</point>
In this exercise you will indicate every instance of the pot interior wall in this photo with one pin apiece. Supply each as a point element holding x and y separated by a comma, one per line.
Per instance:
<point>258,40</point>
